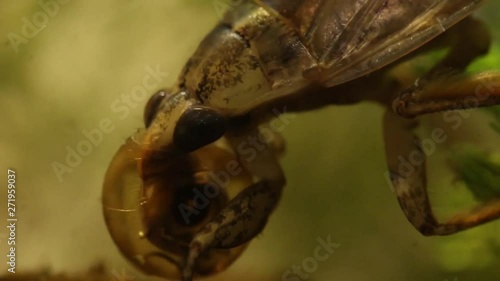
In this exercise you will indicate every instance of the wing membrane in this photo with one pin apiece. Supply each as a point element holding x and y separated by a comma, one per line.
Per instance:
<point>351,38</point>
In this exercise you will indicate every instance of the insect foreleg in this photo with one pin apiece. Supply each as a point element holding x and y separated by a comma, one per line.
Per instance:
<point>245,216</point>
<point>410,182</point>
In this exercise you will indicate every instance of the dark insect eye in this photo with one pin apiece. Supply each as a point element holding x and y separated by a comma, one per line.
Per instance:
<point>197,127</point>
<point>153,105</point>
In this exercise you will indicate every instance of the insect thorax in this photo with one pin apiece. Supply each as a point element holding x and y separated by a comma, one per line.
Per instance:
<point>250,58</point>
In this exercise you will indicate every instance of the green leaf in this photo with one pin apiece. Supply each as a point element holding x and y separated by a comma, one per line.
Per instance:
<point>480,172</point>
<point>495,111</point>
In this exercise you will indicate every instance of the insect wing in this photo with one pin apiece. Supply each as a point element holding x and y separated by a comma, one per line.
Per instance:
<point>351,38</point>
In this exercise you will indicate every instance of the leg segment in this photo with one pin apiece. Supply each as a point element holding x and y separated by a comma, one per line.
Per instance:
<point>444,87</point>
<point>467,40</point>
<point>246,215</point>
<point>459,92</point>
<point>406,162</point>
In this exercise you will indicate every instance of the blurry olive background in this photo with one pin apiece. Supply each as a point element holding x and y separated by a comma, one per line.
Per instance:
<point>65,79</point>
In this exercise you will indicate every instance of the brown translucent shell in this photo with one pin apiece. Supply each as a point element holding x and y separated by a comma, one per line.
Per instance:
<point>154,211</point>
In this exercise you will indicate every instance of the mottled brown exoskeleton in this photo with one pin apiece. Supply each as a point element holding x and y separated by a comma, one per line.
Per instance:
<point>183,196</point>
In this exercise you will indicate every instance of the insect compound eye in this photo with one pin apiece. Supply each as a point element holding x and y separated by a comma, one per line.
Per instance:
<point>197,127</point>
<point>153,105</point>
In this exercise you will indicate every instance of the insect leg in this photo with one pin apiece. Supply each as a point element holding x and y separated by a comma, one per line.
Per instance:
<point>410,182</point>
<point>459,92</point>
<point>245,216</point>
<point>466,41</point>
<point>445,87</point>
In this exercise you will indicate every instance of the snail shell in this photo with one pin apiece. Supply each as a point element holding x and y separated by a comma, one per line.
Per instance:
<point>154,204</point>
